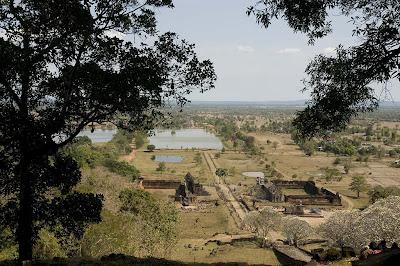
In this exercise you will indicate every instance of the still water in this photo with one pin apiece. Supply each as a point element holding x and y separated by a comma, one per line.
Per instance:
<point>185,139</point>
<point>164,139</point>
<point>168,158</point>
<point>99,135</point>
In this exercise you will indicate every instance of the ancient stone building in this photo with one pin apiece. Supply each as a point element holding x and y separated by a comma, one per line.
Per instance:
<point>316,196</point>
<point>188,190</point>
<point>272,192</point>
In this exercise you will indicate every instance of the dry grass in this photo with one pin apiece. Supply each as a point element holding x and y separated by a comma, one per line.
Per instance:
<point>294,191</point>
<point>212,253</point>
<point>100,180</point>
<point>175,171</point>
<point>205,223</point>
<point>241,163</point>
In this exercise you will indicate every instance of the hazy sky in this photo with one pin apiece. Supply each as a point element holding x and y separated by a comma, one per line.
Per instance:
<point>252,63</point>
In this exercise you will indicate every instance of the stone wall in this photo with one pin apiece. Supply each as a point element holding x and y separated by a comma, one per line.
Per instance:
<point>160,184</point>
<point>311,188</point>
<point>290,183</point>
<point>334,197</point>
<point>316,195</point>
<point>309,199</point>
<point>272,193</point>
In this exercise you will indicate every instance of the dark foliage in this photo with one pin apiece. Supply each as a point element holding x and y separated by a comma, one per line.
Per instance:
<point>341,86</point>
<point>62,69</point>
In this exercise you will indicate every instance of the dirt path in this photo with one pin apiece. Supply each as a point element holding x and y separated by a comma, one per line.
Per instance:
<point>228,196</point>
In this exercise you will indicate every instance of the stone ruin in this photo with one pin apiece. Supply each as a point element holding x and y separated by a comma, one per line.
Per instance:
<point>295,210</point>
<point>188,190</point>
<point>272,192</point>
<point>316,196</point>
<point>157,183</point>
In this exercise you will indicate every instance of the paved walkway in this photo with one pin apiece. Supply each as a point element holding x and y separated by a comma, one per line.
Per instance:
<point>228,196</point>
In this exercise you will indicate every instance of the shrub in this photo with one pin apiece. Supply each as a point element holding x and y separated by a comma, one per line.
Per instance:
<point>197,158</point>
<point>47,246</point>
<point>154,223</point>
<point>8,247</point>
<point>347,166</point>
<point>122,168</point>
<point>151,147</point>
<point>161,167</point>
<point>115,234</point>
<point>308,147</point>
<point>84,154</point>
<point>379,192</point>
<point>337,161</point>
<point>332,174</point>
<point>140,139</point>
<point>221,172</point>
<point>332,254</point>
<point>122,141</point>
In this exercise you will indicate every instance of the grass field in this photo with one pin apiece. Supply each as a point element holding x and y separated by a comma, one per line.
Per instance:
<point>174,171</point>
<point>238,163</point>
<point>212,253</point>
<point>293,191</point>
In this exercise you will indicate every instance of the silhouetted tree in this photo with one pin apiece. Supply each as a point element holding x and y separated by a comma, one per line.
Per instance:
<point>341,85</point>
<point>66,65</point>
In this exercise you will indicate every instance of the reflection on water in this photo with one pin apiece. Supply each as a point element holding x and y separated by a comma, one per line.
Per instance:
<point>185,139</point>
<point>99,135</point>
<point>168,158</point>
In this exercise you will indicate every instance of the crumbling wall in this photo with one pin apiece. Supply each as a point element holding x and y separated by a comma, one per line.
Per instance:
<point>272,193</point>
<point>311,188</point>
<point>160,184</point>
<point>316,196</point>
<point>289,183</point>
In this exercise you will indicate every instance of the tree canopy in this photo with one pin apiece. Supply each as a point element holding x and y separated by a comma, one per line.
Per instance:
<point>358,184</point>
<point>66,65</point>
<point>342,85</point>
<point>357,228</point>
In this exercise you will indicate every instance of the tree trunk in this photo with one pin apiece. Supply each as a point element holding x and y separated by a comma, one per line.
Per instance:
<point>25,215</point>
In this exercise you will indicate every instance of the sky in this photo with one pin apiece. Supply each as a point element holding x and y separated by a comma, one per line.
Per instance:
<point>252,63</point>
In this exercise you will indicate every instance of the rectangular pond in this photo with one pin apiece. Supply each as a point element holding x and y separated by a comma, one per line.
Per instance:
<point>185,139</point>
<point>168,158</point>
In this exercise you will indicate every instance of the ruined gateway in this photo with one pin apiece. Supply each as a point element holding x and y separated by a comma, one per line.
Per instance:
<point>188,191</point>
